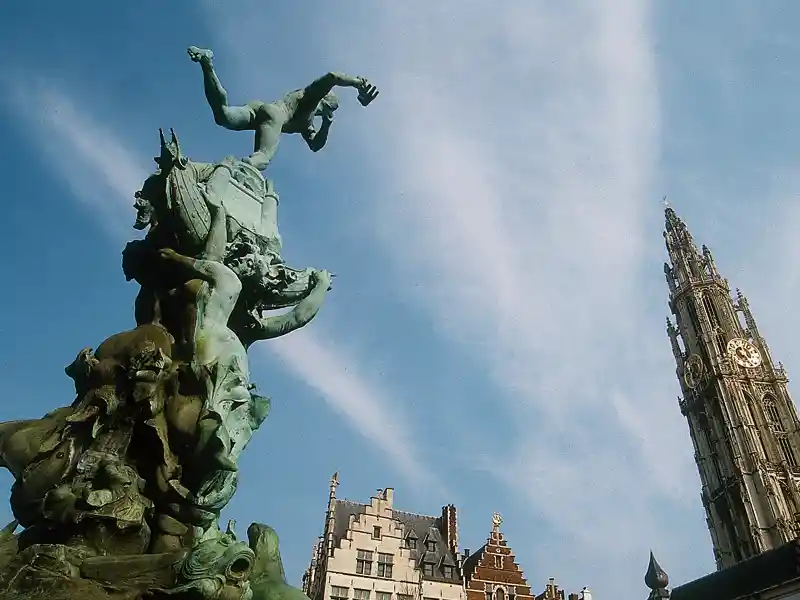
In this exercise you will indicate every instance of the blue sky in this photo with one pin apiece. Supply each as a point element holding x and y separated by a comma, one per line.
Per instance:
<point>495,337</point>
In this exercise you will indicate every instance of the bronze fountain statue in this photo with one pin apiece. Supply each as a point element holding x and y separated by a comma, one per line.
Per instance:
<point>118,494</point>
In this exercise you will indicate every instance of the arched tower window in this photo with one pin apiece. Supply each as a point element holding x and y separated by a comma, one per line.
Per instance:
<point>711,310</point>
<point>690,308</point>
<point>773,415</point>
<point>499,594</point>
<point>748,409</point>
<point>774,419</point>
<point>722,343</point>
<point>754,430</point>
<point>788,452</point>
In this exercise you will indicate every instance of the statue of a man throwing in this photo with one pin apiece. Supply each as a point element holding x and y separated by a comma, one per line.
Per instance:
<point>294,113</point>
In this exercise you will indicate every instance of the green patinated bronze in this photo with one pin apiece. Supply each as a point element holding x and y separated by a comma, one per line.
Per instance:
<point>294,113</point>
<point>120,492</point>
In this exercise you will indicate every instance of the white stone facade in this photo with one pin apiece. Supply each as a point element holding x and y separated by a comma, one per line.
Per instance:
<point>377,553</point>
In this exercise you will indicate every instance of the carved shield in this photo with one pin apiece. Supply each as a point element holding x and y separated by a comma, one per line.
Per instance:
<point>193,219</point>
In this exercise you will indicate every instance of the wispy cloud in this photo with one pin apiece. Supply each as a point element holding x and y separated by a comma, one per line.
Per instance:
<point>103,174</point>
<point>516,149</point>
<point>529,203</point>
<point>333,372</point>
<point>100,171</point>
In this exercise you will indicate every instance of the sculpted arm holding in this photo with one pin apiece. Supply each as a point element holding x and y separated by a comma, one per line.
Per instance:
<point>320,88</point>
<point>300,315</point>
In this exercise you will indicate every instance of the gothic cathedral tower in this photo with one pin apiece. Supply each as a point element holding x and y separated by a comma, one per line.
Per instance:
<point>743,424</point>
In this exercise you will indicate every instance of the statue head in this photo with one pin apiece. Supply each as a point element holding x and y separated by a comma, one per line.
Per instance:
<point>328,105</point>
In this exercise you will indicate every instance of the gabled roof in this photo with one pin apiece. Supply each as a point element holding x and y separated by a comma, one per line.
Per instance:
<point>447,561</point>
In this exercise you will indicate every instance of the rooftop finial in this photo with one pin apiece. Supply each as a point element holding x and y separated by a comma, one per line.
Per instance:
<point>665,202</point>
<point>497,520</point>
<point>656,579</point>
<point>335,481</point>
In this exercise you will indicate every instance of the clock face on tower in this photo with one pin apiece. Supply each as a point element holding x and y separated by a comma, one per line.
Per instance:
<point>693,371</point>
<point>744,353</point>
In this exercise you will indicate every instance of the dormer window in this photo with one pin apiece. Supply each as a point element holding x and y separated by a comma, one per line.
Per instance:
<point>430,546</point>
<point>427,569</point>
<point>447,571</point>
<point>411,539</point>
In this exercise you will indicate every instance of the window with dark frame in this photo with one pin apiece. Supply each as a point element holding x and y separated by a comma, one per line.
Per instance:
<point>383,595</point>
<point>498,561</point>
<point>430,545</point>
<point>364,563</point>
<point>427,569</point>
<point>339,593</point>
<point>385,565</point>
<point>411,543</point>
<point>447,571</point>
<point>376,533</point>
<point>360,594</point>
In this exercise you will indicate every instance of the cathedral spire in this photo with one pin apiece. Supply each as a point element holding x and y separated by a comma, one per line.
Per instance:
<point>742,421</point>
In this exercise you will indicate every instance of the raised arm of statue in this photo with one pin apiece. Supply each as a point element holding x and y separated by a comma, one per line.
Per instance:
<point>316,139</point>
<point>322,88</point>
<point>209,267</point>
<point>223,286</point>
<point>300,315</point>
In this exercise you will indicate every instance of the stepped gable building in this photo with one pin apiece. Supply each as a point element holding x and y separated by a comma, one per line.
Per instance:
<point>491,573</point>
<point>744,428</point>
<point>375,552</point>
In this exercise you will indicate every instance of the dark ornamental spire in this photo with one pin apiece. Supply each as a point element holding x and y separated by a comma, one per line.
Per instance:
<point>657,580</point>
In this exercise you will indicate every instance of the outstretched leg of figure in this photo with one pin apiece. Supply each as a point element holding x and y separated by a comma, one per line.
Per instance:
<point>236,118</point>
